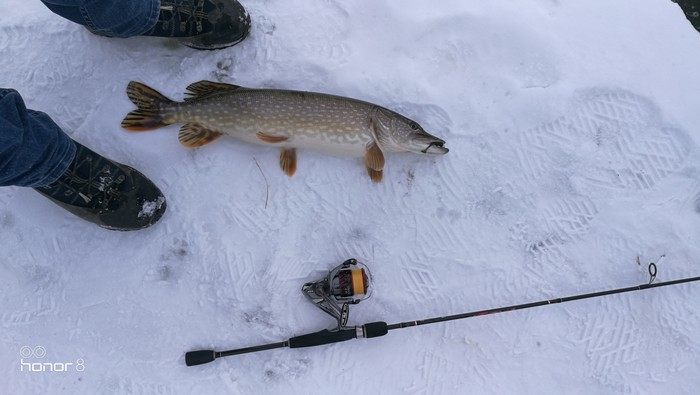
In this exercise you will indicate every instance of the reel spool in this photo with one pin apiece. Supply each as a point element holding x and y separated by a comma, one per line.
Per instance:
<point>346,284</point>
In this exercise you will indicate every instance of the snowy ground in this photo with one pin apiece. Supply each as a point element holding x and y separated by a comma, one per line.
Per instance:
<point>574,149</point>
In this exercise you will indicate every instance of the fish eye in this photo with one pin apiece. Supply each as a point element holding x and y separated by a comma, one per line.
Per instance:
<point>413,125</point>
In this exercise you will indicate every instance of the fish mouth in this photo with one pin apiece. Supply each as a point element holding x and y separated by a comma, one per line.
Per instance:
<point>436,148</point>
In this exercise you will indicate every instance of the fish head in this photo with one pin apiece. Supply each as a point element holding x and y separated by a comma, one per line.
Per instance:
<point>400,134</point>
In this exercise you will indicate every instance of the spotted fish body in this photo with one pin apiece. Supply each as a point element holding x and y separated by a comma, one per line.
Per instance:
<point>287,119</point>
<point>336,125</point>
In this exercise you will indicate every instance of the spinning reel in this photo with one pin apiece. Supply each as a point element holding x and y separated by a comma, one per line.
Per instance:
<point>346,284</point>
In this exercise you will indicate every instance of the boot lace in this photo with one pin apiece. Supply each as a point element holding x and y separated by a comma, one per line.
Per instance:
<point>183,13</point>
<point>91,186</point>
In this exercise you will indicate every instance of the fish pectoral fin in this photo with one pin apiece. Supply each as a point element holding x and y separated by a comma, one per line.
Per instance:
<point>375,175</point>
<point>374,161</point>
<point>271,139</point>
<point>194,135</point>
<point>374,157</point>
<point>205,88</point>
<point>288,161</point>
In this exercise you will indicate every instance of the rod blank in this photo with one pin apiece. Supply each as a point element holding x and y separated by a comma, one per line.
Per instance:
<point>379,328</point>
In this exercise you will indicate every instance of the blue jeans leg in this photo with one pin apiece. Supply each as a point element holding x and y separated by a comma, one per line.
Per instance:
<point>113,18</point>
<point>34,151</point>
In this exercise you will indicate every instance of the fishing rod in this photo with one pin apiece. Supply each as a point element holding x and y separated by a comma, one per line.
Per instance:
<point>349,283</point>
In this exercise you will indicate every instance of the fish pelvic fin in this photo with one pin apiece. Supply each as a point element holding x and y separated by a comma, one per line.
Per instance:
<point>374,162</point>
<point>194,135</point>
<point>270,139</point>
<point>288,161</point>
<point>150,114</point>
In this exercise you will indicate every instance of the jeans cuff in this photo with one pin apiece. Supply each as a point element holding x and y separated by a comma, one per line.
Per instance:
<point>153,18</point>
<point>61,166</point>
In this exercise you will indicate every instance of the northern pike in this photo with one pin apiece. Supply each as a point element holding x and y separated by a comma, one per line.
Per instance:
<point>283,118</point>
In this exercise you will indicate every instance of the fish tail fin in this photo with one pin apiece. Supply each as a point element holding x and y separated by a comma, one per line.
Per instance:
<point>150,114</point>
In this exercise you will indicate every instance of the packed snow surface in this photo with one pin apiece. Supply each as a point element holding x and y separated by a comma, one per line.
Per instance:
<point>573,136</point>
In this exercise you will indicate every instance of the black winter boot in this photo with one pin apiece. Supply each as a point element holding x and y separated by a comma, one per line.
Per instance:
<point>202,24</point>
<point>691,8</point>
<point>107,193</point>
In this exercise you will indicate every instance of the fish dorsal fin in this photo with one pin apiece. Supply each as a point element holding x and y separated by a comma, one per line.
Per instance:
<point>205,88</point>
<point>194,135</point>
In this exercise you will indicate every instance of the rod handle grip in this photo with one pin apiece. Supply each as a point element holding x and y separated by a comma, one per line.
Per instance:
<point>322,337</point>
<point>372,329</point>
<point>375,329</point>
<point>200,357</point>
